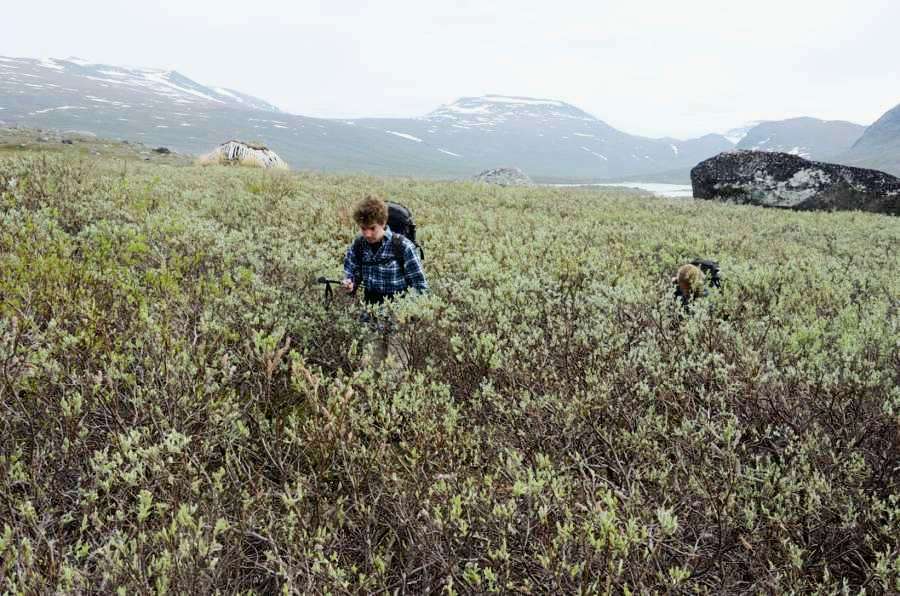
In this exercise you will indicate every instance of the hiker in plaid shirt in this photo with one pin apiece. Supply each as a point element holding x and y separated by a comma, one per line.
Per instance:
<point>385,264</point>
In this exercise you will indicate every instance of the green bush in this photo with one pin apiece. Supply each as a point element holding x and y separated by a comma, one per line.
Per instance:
<point>182,412</point>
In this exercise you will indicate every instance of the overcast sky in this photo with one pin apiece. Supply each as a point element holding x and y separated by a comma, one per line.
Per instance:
<point>656,68</point>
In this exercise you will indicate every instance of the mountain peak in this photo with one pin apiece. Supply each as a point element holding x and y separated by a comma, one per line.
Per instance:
<point>517,100</point>
<point>492,110</point>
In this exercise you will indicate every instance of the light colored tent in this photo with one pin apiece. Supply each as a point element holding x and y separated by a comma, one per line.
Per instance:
<point>246,154</point>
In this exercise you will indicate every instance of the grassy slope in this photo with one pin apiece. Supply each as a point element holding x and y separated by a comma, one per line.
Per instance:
<point>180,411</point>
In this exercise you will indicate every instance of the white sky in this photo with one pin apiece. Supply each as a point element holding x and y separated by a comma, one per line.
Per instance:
<point>651,67</point>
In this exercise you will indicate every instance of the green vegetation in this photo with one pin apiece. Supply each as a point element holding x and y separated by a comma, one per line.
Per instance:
<point>14,141</point>
<point>181,413</point>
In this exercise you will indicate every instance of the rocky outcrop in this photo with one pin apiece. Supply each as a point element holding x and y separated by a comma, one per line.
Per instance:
<point>783,180</point>
<point>505,177</point>
<point>240,153</point>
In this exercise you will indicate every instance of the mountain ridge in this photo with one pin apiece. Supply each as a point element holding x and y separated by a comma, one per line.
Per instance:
<point>549,139</point>
<point>807,137</point>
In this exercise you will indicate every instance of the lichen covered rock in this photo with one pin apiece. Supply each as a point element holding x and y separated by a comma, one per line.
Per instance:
<point>240,153</point>
<point>505,177</point>
<point>783,180</point>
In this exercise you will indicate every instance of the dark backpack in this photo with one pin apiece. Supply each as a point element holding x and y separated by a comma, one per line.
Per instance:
<point>710,270</point>
<point>713,276</point>
<point>400,221</point>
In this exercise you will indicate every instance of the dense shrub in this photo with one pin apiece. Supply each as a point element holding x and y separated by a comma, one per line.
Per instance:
<point>181,411</point>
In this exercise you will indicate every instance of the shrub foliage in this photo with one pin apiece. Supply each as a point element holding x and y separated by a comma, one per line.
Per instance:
<point>181,410</point>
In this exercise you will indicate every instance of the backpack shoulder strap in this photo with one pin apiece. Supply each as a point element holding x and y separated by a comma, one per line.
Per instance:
<point>399,252</point>
<point>358,250</point>
<point>358,259</point>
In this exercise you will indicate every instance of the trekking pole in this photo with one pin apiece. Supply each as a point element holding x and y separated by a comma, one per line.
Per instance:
<point>328,292</point>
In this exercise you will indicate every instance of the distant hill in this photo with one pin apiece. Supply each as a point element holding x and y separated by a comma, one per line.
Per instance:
<point>546,138</point>
<point>549,140</point>
<point>879,146</point>
<point>809,138</point>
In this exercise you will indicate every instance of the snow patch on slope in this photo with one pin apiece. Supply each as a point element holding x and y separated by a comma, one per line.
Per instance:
<point>601,156</point>
<point>49,63</point>
<point>522,101</point>
<point>226,93</point>
<point>59,108</point>
<point>403,135</point>
<point>463,110</point>
<point>161,78</point>
<point>78,61</point>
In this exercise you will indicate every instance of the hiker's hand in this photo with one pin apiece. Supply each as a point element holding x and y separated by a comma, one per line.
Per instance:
<point>347,285</point>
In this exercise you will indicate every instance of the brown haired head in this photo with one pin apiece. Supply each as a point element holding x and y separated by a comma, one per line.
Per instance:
<point>689,280</point>
<point>370,211</point>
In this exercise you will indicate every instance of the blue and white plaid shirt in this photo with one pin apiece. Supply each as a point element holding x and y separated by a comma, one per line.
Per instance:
<point>380,273</point>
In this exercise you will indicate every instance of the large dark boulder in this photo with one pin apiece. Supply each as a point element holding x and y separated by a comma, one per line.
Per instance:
<point>783,180</point>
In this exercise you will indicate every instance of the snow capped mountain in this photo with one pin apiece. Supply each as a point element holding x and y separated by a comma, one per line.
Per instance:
<point>548,139</point>
<point>551,140</point>
<point>115,85</point>
<point>544,138</point>
<point>491,111</point>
